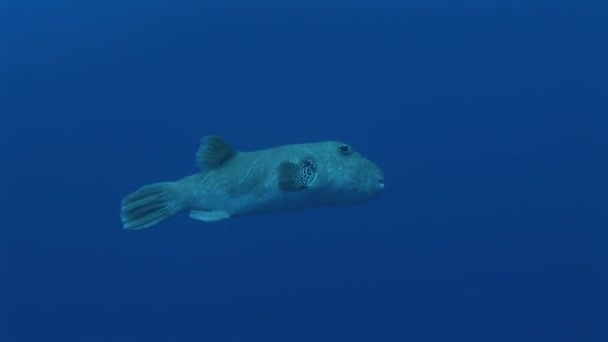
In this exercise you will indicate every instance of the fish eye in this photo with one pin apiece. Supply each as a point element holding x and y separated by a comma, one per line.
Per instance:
<point>344,149</point>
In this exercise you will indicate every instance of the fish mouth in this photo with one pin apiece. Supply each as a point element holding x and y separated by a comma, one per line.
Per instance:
<point>381,183</point>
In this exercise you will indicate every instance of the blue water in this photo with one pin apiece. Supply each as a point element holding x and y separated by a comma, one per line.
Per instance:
<point>488,118</point>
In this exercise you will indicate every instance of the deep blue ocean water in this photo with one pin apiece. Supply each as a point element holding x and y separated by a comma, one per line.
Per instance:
<point>488,118</point>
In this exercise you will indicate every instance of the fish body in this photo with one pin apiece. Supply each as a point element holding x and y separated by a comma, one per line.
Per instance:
<point>235,183</point>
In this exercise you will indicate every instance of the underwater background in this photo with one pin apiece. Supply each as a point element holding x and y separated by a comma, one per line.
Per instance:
<point>488,118</point>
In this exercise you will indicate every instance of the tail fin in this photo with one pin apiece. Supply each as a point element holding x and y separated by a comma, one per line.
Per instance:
<point>150,205</point>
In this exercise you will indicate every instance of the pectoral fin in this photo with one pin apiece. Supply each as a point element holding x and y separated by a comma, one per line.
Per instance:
<point>296,177</point>
<point>209,215</point>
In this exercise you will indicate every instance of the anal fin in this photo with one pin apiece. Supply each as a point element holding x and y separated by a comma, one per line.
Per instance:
<point>209,215</point>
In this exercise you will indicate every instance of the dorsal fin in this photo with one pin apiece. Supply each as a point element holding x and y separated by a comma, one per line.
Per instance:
<point>213,152</point>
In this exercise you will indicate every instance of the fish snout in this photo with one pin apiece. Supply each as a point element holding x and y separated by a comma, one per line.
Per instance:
<point>376,182</point>
<point>379,177</point>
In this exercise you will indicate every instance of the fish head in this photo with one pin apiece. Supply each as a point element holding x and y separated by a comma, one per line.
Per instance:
<point>345,177</point>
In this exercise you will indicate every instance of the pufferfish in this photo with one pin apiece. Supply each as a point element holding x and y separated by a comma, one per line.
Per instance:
<point>234,183</point>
